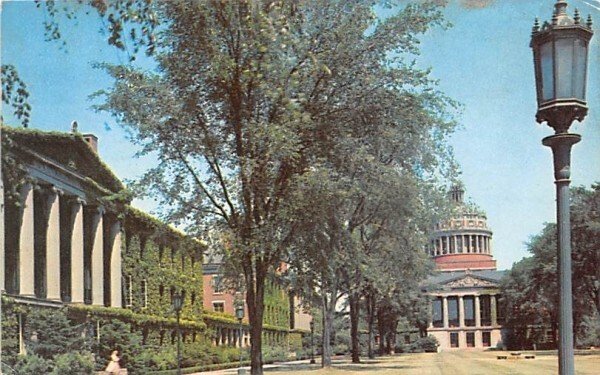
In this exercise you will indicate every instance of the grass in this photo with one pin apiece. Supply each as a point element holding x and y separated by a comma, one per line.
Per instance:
<point>449,363</point>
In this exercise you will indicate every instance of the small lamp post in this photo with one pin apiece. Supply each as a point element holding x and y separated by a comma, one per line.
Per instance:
<point>560,50</point>
<point>312,346</point>
<point>177,305</point>
<point>239,314</point>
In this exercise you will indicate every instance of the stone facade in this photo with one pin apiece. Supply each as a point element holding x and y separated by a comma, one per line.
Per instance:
<point>465,290</point>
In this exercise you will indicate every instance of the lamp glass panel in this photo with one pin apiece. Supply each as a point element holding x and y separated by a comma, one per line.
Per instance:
<point>579,69</point>
<point>564,67</point>
<point>546,69</point>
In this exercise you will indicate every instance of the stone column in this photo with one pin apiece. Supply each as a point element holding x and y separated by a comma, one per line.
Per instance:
<point>115,268</point>
<point>477,312</point>
<point>97,245</point>
<point>76,211</point>
<point>461,312</point>
<point>439,242</point>
<point>455,244</point>
<point>52,243</point>
<point>445,311</point>
<point>477,247</point>
<point>26,250</point>
<point>493,310</point>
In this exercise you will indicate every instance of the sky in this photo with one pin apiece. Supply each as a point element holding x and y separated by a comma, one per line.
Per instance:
<point>483,61</point>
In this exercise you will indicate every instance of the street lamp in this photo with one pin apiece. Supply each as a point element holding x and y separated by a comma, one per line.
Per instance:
<point>239,314</point>
<point>560,51</point>
<point>177,305</point>
<point>312,347</point>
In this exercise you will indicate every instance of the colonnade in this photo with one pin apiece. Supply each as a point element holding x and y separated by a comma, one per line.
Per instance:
<point>461,244</point>
<point>60,248</point>
<point>445,322</point>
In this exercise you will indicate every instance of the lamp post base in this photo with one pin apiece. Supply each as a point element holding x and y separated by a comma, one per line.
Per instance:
<point>241,371</point>
<point>312,361</point>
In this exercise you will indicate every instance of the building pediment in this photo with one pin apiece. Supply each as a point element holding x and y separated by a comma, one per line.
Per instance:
<point>469,281</point>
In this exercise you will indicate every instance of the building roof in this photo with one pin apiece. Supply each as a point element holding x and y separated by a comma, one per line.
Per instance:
<point>443,278</point>
<point>69,150</point>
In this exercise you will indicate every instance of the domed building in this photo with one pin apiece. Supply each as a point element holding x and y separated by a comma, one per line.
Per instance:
<point>464,241</point>
<point>465,289</point>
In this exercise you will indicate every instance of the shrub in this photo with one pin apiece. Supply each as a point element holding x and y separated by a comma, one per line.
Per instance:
<point>73,364</point>
<point>54,333</point>
<point>33,365</point>
<point>427,344</point>
<point>274,353</point>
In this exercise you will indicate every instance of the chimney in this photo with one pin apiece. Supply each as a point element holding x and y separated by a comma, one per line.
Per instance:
<point>91,140</point>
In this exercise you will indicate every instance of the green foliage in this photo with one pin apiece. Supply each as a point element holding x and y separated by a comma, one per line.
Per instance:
<point>274,353</point>
<point>428,344</point>
<point>15,93</point>
<point>33,364</point>
<point>77,363</point>
<point>117,335</point>
<point>530,289</point>
<point>51,333</point>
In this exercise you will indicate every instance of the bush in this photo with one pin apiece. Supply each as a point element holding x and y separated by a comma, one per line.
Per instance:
<point>427,344</point>
<point>274,353</point>
<point>33,365</point>
<point>73,364</point>
<point>340,349</point>
<point>118,335</point>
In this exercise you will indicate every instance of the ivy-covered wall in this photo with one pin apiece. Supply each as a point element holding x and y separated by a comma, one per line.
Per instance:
<point>157,262</point>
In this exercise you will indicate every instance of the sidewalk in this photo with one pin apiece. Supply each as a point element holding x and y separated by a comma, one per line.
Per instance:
<point>304,364</point>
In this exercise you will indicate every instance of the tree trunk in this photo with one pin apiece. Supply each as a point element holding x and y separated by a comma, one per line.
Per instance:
<point>381,329</point>
<point>328,312</point>
<point>370,322</point>
<point>354,302</point>
<point>255,293</point>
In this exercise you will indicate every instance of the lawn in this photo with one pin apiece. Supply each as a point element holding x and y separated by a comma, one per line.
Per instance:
<point>450,363</point>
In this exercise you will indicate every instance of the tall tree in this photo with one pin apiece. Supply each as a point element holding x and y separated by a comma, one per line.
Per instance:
<point>249,96</point>
<point>531,290</point>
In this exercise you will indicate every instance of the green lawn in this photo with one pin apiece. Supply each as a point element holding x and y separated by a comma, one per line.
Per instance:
<point>451,363</point>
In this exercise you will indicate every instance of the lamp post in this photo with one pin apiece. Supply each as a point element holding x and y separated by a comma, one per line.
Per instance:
<point>239,314</point>
<point>312,347</point>
<point>177,305</point>
<point>560,50</point>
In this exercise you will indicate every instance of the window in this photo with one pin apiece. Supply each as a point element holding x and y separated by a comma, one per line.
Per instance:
<point>161,290</point>
<point>499,310</point>
<point>485,309</point>
<point>219,306</point>
<point>128,292</point>
<point>144,293</point>
<point>469,307</point>
<point>438,312</point>
<point>193,299</point>
<point>454,339</point>
<point>217,284</point>
<point>470,339</point>
<point>486,339</point>
<point>453,311</point>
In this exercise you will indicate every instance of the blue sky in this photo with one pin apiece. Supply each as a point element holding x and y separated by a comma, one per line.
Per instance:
<point>483,61</point>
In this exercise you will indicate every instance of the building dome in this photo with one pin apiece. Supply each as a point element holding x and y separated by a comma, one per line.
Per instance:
<point>464,241</point>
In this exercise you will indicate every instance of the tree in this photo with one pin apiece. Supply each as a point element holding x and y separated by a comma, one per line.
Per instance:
<point>250,95</point>
<point>531,289</point>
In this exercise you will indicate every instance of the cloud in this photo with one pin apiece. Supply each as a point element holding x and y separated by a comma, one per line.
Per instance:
<point>476,4</point>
